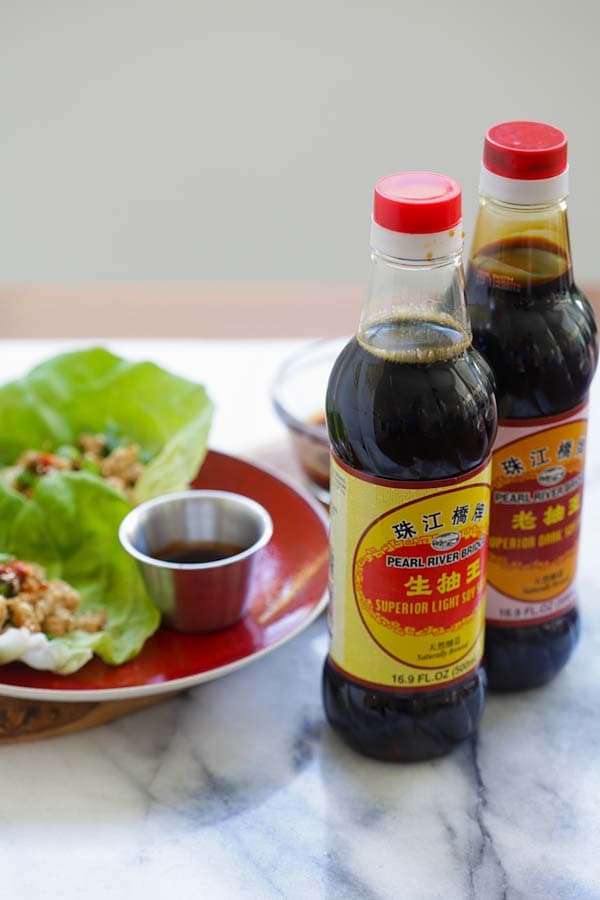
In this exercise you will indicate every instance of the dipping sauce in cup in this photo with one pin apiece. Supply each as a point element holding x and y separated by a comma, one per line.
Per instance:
<point>196,551</point>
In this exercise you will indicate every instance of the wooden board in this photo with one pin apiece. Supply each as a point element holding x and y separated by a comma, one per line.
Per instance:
<point>32,720</point>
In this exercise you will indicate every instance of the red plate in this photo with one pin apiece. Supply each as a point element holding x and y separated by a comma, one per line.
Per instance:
<point>289,592</point>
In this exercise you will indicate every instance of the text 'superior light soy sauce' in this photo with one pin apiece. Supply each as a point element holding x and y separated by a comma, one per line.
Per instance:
<point>411,418</point>
<point>537,331</point>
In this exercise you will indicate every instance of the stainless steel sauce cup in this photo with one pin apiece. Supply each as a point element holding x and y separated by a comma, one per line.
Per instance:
<point>198,596</point>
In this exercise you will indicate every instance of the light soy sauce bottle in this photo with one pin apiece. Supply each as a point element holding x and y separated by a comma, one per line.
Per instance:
<point>537,331</point>
<point>411,417</point>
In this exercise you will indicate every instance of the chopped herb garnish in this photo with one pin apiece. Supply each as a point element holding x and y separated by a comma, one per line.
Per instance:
<point>87,465</point>
<point>68,451</point>
<point>26,480</point>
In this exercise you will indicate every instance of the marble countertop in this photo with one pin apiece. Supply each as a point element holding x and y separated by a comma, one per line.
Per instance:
<point>238,788</point>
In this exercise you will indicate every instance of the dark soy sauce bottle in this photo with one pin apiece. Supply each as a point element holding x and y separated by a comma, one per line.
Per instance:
<point>411,418</point>
<point>537,331</point>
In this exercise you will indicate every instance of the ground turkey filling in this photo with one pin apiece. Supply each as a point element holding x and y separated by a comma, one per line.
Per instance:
<point>28,600</point>
<point>121,465</point>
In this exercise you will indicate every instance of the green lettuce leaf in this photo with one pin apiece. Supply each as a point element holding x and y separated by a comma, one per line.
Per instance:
<point>94,390</point>
<point>70,527</point>
<point>70,524</point>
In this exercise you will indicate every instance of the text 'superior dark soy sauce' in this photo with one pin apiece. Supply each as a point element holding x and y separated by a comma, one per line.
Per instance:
<point>411,416</point>
<point>537,331</point>
<point>191,552</point>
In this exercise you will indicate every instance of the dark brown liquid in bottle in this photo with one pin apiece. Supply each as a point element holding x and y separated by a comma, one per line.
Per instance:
<point>314,452</point>
<point>537,331</point>
<point>197,551</point>
<point>408,421</point>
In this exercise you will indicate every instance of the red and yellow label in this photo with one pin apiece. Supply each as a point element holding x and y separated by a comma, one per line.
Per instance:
<point>408,566</point>
<point>537,485</point>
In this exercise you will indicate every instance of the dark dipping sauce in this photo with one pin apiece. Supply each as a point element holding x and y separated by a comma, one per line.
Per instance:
<point>194,552</point>
<point>539,336</point>
<point>430,419</point>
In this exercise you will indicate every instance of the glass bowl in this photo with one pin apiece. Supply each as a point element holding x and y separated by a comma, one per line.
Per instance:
<point>299,399</point>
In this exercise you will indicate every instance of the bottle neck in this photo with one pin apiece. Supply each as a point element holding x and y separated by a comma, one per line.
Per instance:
<point>415,311</point>
<point>522,247</point>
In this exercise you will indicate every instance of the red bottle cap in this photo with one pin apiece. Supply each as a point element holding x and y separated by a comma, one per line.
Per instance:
<point>417,203</point>
<point>526,151</point>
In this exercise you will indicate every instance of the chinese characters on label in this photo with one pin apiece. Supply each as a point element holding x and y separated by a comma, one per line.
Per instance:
<point>513,465</point>
<point>461,515</point>
<point>537,485</point>
<point>409,607</point>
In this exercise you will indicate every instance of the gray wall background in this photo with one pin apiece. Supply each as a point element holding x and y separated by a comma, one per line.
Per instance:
<point>239,141</point>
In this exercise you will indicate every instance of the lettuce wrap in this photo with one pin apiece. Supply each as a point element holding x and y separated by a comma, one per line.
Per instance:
<point>70,528</point>
<point>94,390</point>
<point>69,525</point>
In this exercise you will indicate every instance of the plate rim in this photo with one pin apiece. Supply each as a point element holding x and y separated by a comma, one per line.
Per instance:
<point>133,692</point>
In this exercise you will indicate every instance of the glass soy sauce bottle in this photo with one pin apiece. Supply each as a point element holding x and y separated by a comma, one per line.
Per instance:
<point>537,331</point>
<point>411,418</point>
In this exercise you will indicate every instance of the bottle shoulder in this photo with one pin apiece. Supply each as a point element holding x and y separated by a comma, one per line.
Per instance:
<point>543,351</point>
<point>411,421</point>
<point>357,369</point>
<point>514,314</point>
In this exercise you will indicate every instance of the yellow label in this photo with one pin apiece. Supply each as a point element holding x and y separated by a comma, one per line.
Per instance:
<point>537,487</point>
<point>408,566</point>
